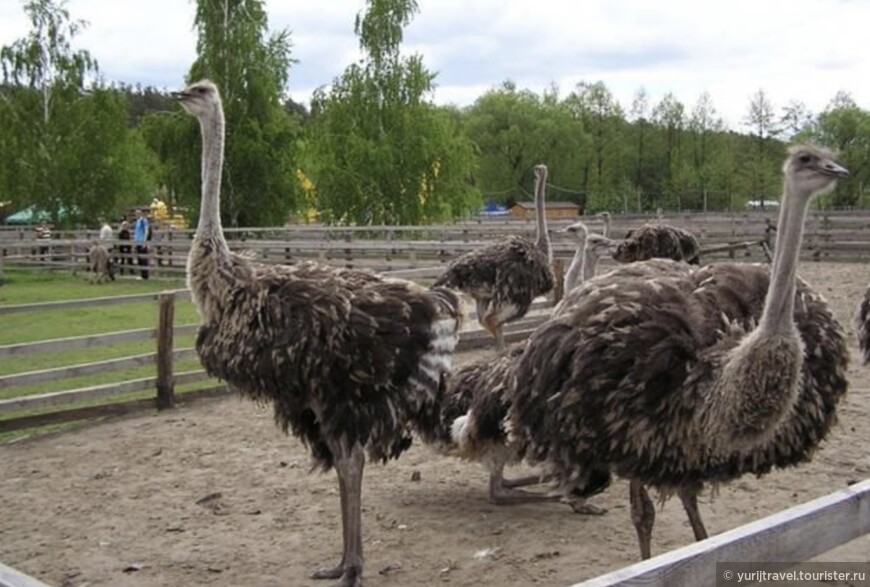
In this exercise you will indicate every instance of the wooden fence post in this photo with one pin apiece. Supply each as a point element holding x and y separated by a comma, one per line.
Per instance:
<point>559,286</point>
<point>165,378</point>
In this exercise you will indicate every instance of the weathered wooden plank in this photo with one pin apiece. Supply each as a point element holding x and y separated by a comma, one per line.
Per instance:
<point>794,535</point>
<point>95,392</point>
<point>114,409</point>
<point>91,340</point>
<point>9,577</point>
<point>88,302</point>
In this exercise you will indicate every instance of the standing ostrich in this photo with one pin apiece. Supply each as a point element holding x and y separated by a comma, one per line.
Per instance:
<point>505,277</point>
<point>862,326</point>
<point>658,241</point>
<point>349,360</point>
<point>607,219</point>
<point>673,376</point>
<point>475,402</point>
<point>589,249</point>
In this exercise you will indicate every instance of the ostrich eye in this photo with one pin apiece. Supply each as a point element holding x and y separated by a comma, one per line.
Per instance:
<point>804,158</point>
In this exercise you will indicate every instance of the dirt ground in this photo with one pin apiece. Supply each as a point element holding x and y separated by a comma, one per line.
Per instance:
<point>213,494</point>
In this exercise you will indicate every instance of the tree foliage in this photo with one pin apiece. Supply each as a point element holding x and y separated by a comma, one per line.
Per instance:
<point>381,152</point>
<point>251,69</point>
<point>66,147</point>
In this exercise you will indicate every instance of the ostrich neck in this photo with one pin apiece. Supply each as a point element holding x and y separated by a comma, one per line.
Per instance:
<point>212,168</point>
<point>777,315</point>
<point>576,270</point>
<point>760,382</point>
<point>543,241</point>
<point>590,261</point>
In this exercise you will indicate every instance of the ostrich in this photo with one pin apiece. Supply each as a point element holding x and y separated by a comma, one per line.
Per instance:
<point>100,263</point>
<point>607,219</point>
<point>674,376</point>
<point>475,406</point>
<point>505,277</point>
<point>349,360</point>
<point>862,326</point>
<point>652,241</point>
<point>589,249</point>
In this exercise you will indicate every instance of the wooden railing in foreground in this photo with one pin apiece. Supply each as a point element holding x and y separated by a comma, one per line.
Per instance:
<point>9,577</point>
<point>66,405</point>
<point>791,536</point>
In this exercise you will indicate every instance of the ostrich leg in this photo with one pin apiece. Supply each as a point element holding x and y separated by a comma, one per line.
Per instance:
<point>643,516</point>
<point>349,467</point>
<point>689,497</point>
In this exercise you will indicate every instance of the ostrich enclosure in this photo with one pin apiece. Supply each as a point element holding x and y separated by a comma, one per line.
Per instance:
<point>213,494</point>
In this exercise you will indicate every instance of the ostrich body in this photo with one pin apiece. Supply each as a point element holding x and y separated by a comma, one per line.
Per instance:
<point>349,360</point>
<point>505,277</point>
<point>658,241</point>
<point>673,376</point>
<point>862,326</point>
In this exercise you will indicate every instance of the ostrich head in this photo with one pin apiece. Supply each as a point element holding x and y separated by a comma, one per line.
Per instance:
<point>578,231</point>
<point>601,246</point>
<point>810,170</point>
<point>199,99</point>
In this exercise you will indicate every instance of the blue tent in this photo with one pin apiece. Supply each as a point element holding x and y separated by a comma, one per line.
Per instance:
<point>32,216</point>
<point>27,216</point>
<point>493,209</point>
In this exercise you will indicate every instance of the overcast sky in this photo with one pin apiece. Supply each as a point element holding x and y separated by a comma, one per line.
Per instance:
<point>805,50</point>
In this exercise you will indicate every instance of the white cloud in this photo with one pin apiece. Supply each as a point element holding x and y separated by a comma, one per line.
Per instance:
<point>802,50</point>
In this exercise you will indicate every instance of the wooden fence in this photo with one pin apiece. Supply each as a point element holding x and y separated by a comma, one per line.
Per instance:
<point>63,404</point>
<point>422,251</point>
<point>791,536</point>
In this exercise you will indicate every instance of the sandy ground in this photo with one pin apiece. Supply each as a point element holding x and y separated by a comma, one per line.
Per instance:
<point>213,494</point>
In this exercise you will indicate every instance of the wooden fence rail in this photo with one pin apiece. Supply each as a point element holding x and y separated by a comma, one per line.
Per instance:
<point>837,236</point>
<point>163,358</point>
<point>794,535</point>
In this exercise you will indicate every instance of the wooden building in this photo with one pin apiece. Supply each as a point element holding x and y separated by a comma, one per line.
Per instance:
<point>554,210</point>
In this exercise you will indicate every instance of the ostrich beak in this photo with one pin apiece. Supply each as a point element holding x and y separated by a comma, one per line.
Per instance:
<point>179,95</point>
<point>831,168</point>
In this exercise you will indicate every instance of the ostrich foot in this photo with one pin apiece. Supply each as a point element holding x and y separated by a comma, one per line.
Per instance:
<point>523,481</point>
<point>348,577</point>
<point>585,509</point>
<point>329,572</point>
<point>506,496</point>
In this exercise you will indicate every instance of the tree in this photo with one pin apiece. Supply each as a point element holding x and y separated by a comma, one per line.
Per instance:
<point>602,118</point>
<point>762,124</point>
<point>384,153</point>
<point>251,69</point>
<point>515,130</point>
<point>669,116</point>
<point>67,147</point>
<point>846,127</point>
<point>704,125</point>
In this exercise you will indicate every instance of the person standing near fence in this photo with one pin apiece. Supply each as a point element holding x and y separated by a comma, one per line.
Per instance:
<point>141,231</point>
<point>125,251</point>
<point>43,235</point>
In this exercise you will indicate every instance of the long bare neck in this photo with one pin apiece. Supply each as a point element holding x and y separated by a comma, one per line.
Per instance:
<point>760,382</point>
<point>779,304</point>
<point>543,238</point>
<point>590,262</point>
<point>575,274</point>
<point>209,226</point>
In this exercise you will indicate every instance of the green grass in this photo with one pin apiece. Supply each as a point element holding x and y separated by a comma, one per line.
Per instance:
<point>23,287</point>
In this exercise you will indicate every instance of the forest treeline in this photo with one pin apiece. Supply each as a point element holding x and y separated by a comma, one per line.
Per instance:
<point>373,147</point>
